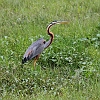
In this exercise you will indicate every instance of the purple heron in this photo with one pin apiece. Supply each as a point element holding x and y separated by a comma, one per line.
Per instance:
<point>36,48</point>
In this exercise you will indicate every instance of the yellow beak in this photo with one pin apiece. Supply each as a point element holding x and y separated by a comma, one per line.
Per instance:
<point>62,22</point>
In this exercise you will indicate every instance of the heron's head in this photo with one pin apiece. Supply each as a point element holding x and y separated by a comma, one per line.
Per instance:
<point>59,22</point>
<point>56,22</point>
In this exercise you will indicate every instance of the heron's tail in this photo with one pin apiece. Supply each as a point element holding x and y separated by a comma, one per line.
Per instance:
<point>24,60</point>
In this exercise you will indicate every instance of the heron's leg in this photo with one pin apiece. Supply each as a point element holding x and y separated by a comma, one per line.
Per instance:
<point>36,58</point>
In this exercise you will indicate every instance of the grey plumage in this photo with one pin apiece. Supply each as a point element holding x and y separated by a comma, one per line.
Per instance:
<point>33,50</point>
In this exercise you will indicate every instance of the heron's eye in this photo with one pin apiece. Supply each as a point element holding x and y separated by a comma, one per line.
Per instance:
<point>44,42</point>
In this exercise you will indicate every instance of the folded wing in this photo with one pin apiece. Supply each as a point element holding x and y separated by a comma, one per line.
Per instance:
<point>33,50</point>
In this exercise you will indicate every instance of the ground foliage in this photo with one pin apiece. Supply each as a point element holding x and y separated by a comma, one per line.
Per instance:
<point>71,65</point>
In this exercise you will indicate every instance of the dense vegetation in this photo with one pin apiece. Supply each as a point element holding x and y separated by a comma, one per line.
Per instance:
<point>69,69</point>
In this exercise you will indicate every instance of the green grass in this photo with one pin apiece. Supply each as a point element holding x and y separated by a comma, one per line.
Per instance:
<point>69,69</point>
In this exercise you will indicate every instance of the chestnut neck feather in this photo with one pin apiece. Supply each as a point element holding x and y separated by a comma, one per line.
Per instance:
<point>50,33</point>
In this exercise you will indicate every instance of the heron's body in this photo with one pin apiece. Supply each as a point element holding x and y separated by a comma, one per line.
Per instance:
<point>36,48</point>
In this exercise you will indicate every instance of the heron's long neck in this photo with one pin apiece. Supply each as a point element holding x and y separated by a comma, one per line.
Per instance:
<point>51,34</point>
